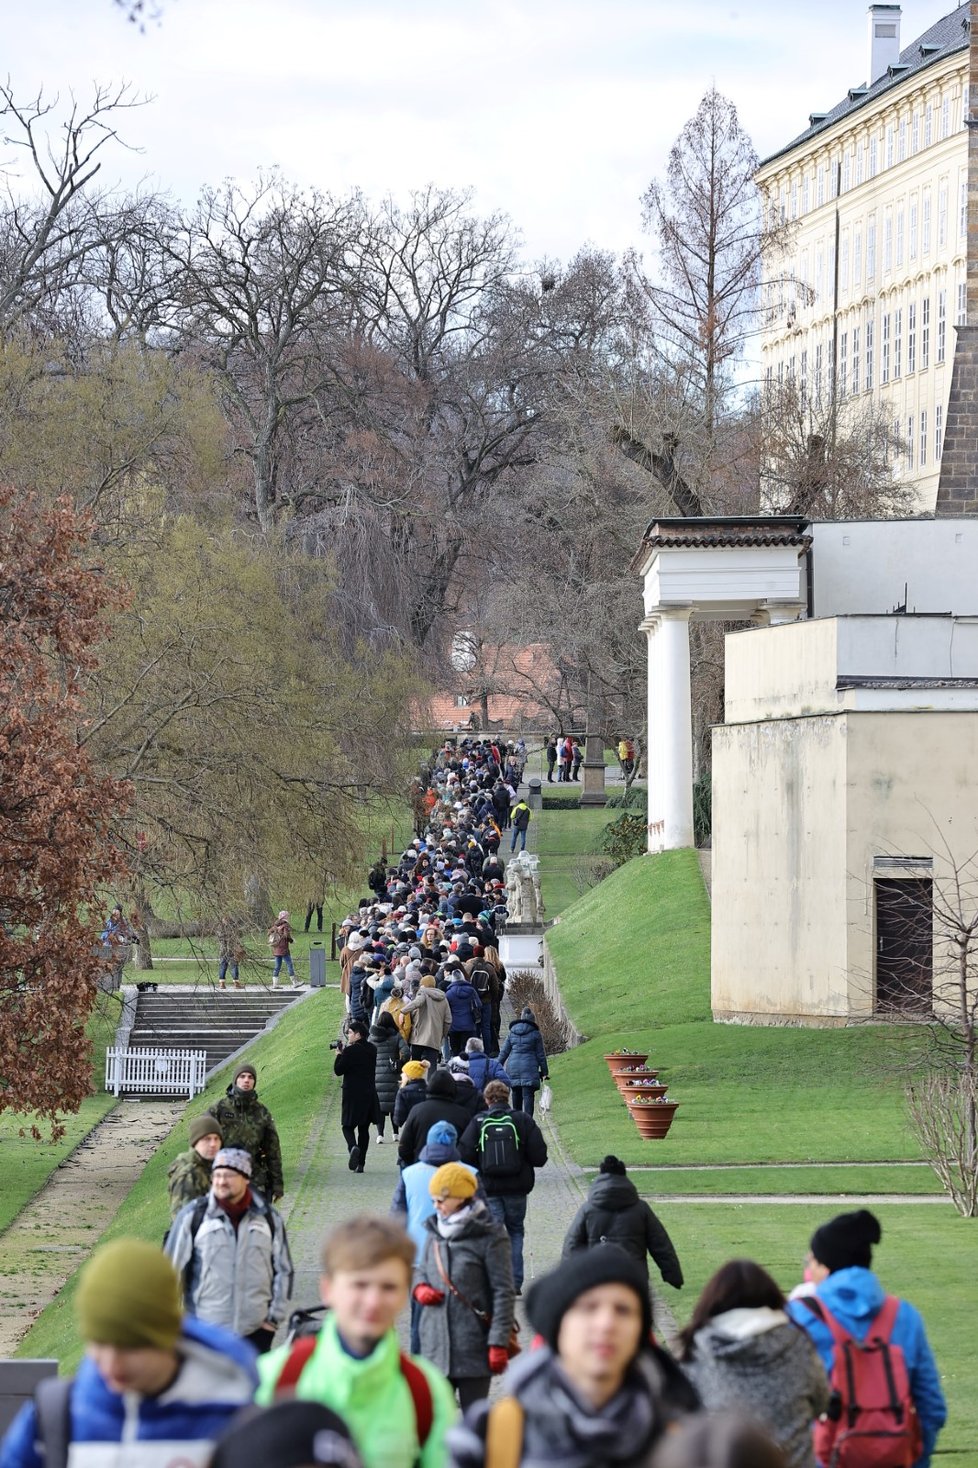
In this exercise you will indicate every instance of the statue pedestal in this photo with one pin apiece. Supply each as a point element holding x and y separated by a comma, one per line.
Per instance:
<point>594,792</point>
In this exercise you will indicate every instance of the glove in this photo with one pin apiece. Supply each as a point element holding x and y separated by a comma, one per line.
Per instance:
<point>498,1359</point>
<point>426,1294</point>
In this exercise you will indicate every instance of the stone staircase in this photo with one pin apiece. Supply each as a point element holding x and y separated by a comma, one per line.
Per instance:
<point>216,1020</point>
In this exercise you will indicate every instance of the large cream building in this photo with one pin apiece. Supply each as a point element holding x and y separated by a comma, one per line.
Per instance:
<point>875,191</point>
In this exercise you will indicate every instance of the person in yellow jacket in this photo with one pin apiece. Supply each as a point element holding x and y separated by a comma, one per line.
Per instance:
<point>398,1408</point>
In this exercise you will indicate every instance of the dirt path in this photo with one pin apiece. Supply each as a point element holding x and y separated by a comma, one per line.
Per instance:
<point>52,1235</point>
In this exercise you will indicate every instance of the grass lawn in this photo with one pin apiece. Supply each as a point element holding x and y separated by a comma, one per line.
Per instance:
<point>294,1072</point>
<point>633,962</point>
<point>846,1182</point>
<point>563,837</point>
<point>26,1164</point>
<point>927,1255</point>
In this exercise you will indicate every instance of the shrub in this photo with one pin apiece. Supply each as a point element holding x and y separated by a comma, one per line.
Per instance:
<point>625,838</point>
<point>525,986</point>
<point>703,810</point>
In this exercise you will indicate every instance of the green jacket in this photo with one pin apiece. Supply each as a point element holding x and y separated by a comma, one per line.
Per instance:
<point>245,1122</point>
<point>189,1178</point>
<point>371,1396</point>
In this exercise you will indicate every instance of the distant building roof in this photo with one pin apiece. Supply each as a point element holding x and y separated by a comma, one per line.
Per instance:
<point>945,37</point>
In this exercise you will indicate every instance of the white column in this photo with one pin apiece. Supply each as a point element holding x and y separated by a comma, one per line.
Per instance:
<point>654,743</point>
<point>675,727</point>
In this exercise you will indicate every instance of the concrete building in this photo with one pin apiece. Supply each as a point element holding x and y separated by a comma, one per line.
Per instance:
<point>868,299</point>
<point>844,772</point>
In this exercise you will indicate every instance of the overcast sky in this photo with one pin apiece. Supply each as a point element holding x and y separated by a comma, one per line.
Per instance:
<point>558,112</point>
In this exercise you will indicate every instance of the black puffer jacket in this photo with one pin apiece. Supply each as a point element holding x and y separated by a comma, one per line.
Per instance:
<point>614,1214</point>
<point>391,1055</point>
<point>411,1094</point>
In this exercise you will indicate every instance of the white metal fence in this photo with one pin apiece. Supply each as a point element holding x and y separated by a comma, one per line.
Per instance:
<point>155,1072</point>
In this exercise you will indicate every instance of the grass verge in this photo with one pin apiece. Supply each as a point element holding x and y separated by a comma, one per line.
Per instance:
<point>293,1079</point>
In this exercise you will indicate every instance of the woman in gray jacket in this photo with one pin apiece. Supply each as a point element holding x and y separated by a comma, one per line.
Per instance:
<point>741,1351</point>
<point>465,1286</point>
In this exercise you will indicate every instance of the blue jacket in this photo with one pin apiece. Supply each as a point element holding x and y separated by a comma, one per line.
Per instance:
<point>217,1378</point>
<point>411,1196</point>
<point>855,1297</point>
<point>465,1004</point>
<point>525,1053</point>
<point>485,1068</point>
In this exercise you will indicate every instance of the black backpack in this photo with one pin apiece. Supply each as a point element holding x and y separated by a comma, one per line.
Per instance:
<point>481,981</point>
<point>500,1146</point>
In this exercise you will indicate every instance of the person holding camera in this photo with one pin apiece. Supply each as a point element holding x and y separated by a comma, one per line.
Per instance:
<point>356,1062</point>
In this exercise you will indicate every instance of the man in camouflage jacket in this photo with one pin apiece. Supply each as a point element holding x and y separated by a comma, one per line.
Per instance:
<point>190,1173</point>
<point>246,1123</point>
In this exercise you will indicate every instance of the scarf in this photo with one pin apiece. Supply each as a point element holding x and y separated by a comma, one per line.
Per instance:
<point>450,1228</point>
<point>236,1211</point>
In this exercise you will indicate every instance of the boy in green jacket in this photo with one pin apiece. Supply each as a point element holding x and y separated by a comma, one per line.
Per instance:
<point>397,1408</point>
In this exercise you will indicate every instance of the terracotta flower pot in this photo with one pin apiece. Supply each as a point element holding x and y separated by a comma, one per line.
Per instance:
<point>653,1121</point>
<point>632,1091</point>
<point>623,1078</point>
<point>623,1058</point>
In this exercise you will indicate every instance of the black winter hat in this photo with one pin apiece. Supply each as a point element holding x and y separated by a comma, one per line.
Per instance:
<point>847,1240</point>
<point>442,1083</point>
<point>551,1296</point>
<point>612,1165</point>
<point>288,1434</point>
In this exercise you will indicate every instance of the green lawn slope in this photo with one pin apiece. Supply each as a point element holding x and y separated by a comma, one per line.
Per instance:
<point>633,962</point>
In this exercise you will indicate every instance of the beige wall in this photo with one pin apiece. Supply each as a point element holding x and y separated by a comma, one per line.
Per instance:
<point>911,208</point>
<point>801,807</point>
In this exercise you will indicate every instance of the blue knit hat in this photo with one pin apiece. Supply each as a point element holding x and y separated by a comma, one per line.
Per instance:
<point>442,1134</point>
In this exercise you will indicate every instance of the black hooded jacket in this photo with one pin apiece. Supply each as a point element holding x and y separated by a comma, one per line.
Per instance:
<point>441,1105</point>
<point>613,1213</point>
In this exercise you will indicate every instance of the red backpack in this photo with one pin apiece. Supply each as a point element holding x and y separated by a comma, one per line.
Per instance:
<point>871,1421</point>
<point>417,1383</point>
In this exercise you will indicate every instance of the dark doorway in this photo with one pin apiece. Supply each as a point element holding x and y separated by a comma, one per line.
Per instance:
<point>904,946</point>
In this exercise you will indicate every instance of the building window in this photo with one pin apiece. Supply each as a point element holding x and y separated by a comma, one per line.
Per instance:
<point>962,316</point>
<point>860,161</point>
<point>887,241</point>
<point>843,364</point>
<point>847,171</point>
<point>923,437</point>
<point>874,156</point>
<point>869,350</point>
<point>928,125</point>
<point>941,325</point>
<point>855,360</point>
<point>912,243</point>
<point>963,209</point>
<point>871,247</point>
<point>806,194</point>
<point>941,215</point>
<point>946,116</point>
<point>899,238</point>
<point>910,442</point>
<point>912,337</point>
<point>857,257</point>
<point>885,350</point>
<point>835,168</point>
<point>780,374</point>
<point>890,143</point>
<point>897,341</point>
<point>794,198</point>
<point>915,133</point>
<point>925,333</point>
<point>844,262</point>
<point>820,185</point>
<point>925,223</point>
<point>902,139</point>
<point>938,433</point>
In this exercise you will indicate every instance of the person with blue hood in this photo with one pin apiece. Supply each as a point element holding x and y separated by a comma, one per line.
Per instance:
<point>412,1198</point>
<point>839,1265</point>
<point>155,1386</point>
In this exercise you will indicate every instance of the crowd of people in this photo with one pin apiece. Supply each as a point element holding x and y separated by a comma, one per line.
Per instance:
<point>180,1362</point>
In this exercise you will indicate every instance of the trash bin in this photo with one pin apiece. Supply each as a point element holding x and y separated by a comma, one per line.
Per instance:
<point>317,965</point>
<point>535,798</point>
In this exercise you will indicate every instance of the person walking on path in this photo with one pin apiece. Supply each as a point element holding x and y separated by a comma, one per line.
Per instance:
<point>356,1062</point>
<point>577,758</point>
<point>506,1147</point>
<point>412,1091</point>
<point>280,939</point>
<point>232,1253</point>
<point>245,1122</point>
<point>397,1408</point>
<point>613,1213</point>
<point>154,1387</point>
<point>116,940</point>
<point>742,1353</point>
<point>525,1060</point>
<point>431,1020</point>
<point>484,1068</point>
<point>189,1175</point>
<point>848,1294</point>
<point>595,1393</point>
<point>441,1103</point>
<point>464,1286</point>
<point>520,816</point>
<point>466,1008</point>
<point>230,952</point>
<point>392,1052</point>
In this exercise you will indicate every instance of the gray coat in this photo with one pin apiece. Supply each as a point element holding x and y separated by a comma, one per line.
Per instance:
<point>234,1279</point>
<point>760,1363</point>
<point>431,1018</point>
<point>478,1261</point>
